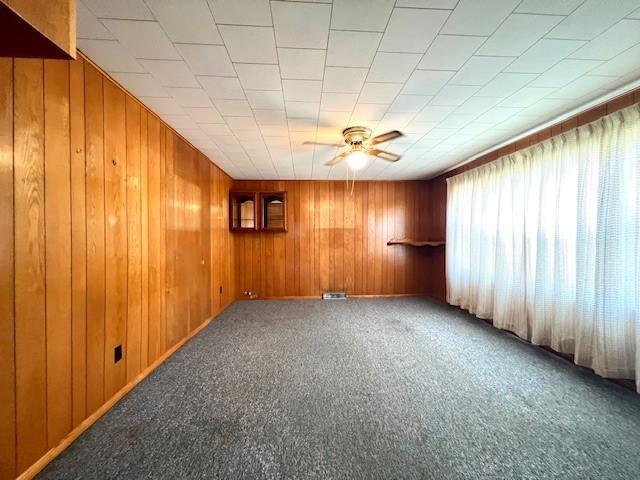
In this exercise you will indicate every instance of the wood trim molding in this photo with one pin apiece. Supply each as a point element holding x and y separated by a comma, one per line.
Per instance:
<point>48,457</point>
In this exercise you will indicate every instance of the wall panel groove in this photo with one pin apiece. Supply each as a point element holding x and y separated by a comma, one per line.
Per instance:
<point>98,248</point>
<point>335,241</point>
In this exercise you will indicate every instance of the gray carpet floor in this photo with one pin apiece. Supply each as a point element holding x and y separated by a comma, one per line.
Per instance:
<point>401,388</point>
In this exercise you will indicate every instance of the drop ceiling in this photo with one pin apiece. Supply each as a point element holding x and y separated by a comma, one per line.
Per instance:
<point>248,81</point>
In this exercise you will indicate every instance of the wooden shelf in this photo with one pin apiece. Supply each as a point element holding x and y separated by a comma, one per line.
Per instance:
<point>416,243</point>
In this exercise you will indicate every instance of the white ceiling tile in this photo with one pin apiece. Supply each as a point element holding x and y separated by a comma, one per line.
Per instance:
<point>163,105</point>
<point>379,92</point>
<point>129,9</point>
<point>370,111</point>
<point>582,86</point>
<point>228,88</point>
<point>179,121</point>
<point>472,17</point>
<point>215,128</point>
<point>497,114</point>
<point>302,125</point>
<point>454,94</point>
<point>564,72</point>
<point>250,44</point>
<point>265,99</point>
<point>392,120</point>
<point>592,18</point>
<point>353,15</point>
<point>88,26</point>
<point>207,59</point>
<point>434,113</point>
<point>426,82</point>
<point>479,70</point>
<point>140,84</point>
<point>614,41</point>
<point>449,52</point>
<point>187,21</point>
<point>450,4</point>
<point>242,123</point>
<point>624,63</point>
<point>548,7</point>
<point>204,114</point>
<point>235,108</point>
<point>302,109</point>
<point>517,33</point>
<point>270,117</point>
<point>506,84</point>
<point>335,119</point>
<point>143,39</point>
<point>635,14</point>
<point>280,131</point>
<point>343,80</point>
<point>245,12</point>
<point>170,73</point>
<point>409,103</point>
<point>302,90</point>
<point>457,120</point>
<point>338,102</point>
<point>543,55</point>
<point>110,55</point>
<point>419,128</point>
<point>258,77</point>
<point>301,25</point>
<point>301,64</point>
<point>412,30</point>
<point>477,105</point>
<point>189,97</point>
<point>392,67</point>
<point>526,96</point>
<point>352,49</point>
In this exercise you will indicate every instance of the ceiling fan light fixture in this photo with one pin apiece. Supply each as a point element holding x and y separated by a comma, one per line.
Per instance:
<point>357,159</point>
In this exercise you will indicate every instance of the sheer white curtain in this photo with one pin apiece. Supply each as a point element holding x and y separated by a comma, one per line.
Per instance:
<point>546,242</point>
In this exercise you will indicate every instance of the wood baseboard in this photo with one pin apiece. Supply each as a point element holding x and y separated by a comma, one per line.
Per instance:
<point>43,461</point>
<point>319,296</point>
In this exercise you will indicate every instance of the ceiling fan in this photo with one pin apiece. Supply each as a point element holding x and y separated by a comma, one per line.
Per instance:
<point>360,145</point>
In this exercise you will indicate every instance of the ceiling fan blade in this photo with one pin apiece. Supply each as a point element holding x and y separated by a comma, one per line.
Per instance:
<point>337,159</point>
<point>388,156</point>
<point>324,144</point>
<point>385,137</point>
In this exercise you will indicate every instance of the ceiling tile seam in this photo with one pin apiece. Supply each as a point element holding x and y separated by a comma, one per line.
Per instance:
<point>367,75</point>
<point>324,69</point>
<point>600,35</point>
<point>284,100</point>
<point>414,69</point>
<point>576,110</point>
<point>234,69</point>
<point>506,66</point>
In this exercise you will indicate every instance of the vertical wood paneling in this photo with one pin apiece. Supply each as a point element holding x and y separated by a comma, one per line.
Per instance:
<point>85,209</point>
<point>144,242</point>
<point>95,237</point>
<point>7,352</point>
<point>115,209</point>
<point>78,243</point>
<point>156,290</point>
<point>29,230</point>
<point>335,241</point>
<point>134,240</point>
<point>57,176</point>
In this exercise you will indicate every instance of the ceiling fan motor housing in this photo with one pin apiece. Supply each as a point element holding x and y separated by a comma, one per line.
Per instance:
<point>356,136</point>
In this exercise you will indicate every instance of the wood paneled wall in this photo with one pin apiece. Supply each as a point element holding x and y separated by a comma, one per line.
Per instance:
<point>335,241</point>
<point>113,231</point>
<point>437,187</point>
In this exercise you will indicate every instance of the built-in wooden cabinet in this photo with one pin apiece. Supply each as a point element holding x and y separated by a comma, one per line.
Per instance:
<point>243,211</point>
<point>257,211</point>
